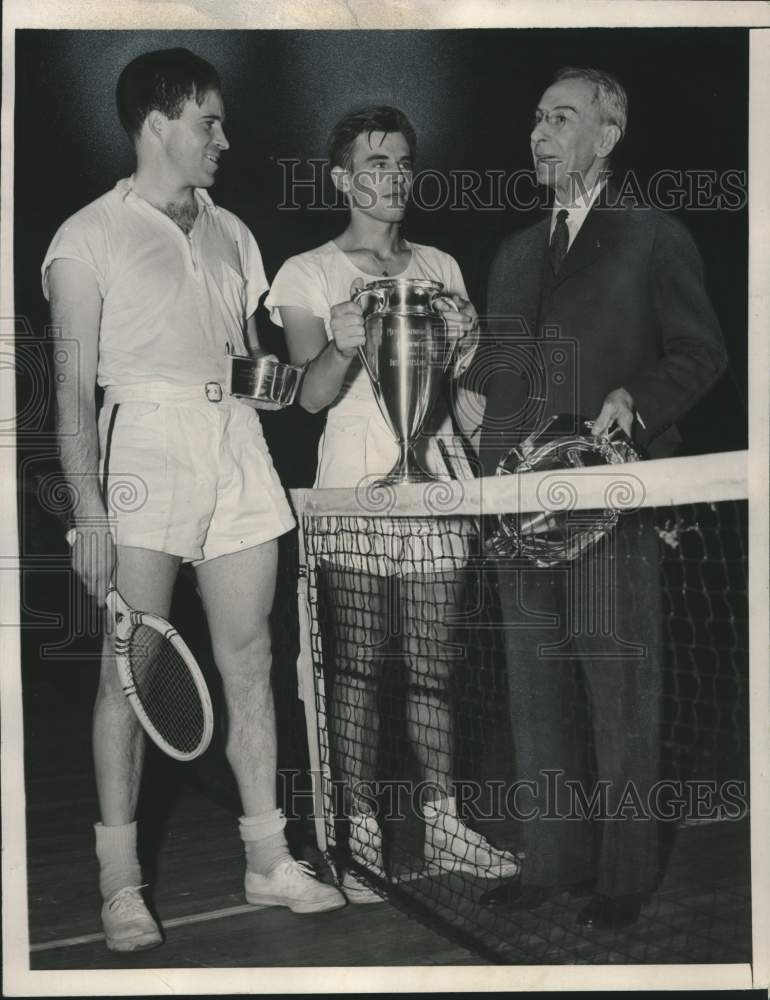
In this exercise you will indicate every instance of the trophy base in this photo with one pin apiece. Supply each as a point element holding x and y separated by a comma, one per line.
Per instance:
<point>406,470</point>
<point>404,478</point>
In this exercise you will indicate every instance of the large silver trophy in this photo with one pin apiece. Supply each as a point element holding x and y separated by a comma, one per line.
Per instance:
<point>407,352</point>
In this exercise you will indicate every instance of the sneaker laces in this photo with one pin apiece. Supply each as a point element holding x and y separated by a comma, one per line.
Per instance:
<point>476,849</point>
<point>352,882</point>
<point>452,826</point>
<point>128,899</point>
<point>353,877</point>
<point>291,866</point>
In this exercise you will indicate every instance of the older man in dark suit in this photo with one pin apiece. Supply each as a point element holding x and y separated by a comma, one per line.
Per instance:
<point>598,310</point>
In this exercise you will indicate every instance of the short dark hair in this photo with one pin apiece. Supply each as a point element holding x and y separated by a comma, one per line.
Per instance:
<point>162,81</point>
<point>609,93</point>
<point>378,118</point>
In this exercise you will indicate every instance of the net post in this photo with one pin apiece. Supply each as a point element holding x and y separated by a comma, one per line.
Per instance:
<point>306,682</point>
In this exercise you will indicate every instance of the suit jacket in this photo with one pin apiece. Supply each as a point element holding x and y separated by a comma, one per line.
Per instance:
<point>628,309</point>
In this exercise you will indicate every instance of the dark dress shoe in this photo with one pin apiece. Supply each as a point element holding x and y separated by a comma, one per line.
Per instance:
<point>515,896</point>
<point>610,913</point>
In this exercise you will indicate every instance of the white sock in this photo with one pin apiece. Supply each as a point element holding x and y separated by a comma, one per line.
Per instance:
<point>264,841</point>
<point>118,861</point>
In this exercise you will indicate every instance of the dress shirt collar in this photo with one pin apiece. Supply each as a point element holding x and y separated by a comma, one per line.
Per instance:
<point>125,187</point>
<point>577,211</point>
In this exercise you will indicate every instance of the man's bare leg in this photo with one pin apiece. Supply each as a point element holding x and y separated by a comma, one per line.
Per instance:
<point>237,592</point>
<point>358,611</point>
<point>146,581</point>
<point>429,604</point>
<point>357,637</point>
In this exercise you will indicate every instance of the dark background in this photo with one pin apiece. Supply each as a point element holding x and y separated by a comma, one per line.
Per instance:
<point>470,95</point>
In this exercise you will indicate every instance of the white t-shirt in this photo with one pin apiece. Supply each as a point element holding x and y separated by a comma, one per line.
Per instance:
<point>171,302</point>
<point>357,442</point>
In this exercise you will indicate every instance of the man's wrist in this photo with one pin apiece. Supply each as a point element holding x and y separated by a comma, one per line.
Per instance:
<point>79,525</point>
<point>340,356</point>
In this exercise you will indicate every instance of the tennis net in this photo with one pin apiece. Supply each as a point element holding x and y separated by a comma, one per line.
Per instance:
<point>464,723</point>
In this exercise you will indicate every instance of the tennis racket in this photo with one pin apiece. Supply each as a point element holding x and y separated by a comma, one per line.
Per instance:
<point>161,680</point>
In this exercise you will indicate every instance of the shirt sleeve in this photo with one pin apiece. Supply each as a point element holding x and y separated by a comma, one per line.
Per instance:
<point>455,282</point>
<point>297,283</point>
<point>254,272</point>
<point>80,238</point>
<point>467,348</point>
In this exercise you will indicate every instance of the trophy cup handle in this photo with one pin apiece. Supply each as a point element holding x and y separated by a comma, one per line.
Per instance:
<point>381,297</point>
<point>447,300</point>
<point>372,377</point>
<point>377,293</point>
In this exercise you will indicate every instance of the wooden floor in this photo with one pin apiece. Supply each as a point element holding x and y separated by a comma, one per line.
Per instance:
<point>700,913</point>
<point>198,895</point>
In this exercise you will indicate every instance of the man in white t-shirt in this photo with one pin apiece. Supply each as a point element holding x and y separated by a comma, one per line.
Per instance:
<point>155,282</point>
<point>365,562</point>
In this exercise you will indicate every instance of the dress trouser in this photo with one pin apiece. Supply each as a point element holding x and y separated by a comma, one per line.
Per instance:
<point>584,659</point>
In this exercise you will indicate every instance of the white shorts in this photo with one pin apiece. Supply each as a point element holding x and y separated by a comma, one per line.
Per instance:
<point>355,444</point>
<point>186,476</point>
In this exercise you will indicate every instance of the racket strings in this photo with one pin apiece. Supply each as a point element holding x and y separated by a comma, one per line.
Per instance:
<point>166,688</point>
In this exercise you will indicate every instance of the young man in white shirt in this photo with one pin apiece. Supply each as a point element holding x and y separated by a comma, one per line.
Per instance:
<point>419,559</point>
<point>154,281</point>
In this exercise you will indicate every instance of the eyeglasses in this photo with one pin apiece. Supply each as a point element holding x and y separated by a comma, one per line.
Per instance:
<point>555,120</point>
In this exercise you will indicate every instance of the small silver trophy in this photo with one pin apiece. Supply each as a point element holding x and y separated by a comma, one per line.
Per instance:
<point>407,351</point>
<point>265,378</point>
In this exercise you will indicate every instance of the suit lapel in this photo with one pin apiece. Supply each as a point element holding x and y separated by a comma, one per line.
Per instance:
<point>528,274</point>
<point>598,236</point>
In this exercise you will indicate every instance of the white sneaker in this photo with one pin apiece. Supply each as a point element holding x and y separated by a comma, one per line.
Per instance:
<point>127,923</point>
<point>293,884</point>
<point>357,892</point>
<point>452,846</point>
<point>365,842</point>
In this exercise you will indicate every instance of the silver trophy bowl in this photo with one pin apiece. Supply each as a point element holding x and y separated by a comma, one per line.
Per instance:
<point>265,379</point>
<point>407,352</point>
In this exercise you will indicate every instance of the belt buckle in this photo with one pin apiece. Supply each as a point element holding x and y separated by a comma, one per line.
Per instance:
<point>213,392</point>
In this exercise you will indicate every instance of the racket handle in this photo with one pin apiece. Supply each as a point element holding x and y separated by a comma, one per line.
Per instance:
<point>112,601</point>
<point>115,603</point>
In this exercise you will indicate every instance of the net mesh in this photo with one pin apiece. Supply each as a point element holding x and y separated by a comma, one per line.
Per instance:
<point>482,727</point>
<point>166,689</point>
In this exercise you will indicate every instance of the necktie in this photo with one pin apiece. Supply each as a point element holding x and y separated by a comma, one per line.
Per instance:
<point>559,240</point>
